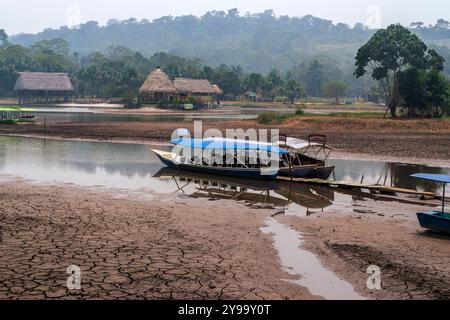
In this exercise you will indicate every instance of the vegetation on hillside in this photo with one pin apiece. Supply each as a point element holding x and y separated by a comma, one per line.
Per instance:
<point>278,58</point>
<point>120,71</point>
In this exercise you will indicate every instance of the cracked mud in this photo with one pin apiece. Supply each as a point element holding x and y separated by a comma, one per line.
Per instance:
<point>133,249</point>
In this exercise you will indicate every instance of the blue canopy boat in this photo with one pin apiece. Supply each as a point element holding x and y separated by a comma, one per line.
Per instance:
<point>435,220</point>
<point>196,162</point>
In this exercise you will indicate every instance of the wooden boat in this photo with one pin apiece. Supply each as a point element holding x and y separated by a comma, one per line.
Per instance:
<point>15,114</point>
<point>435,220</point>
<point>169,159</point>
<point>9,121</point>
<point>313,151</point>
<point>321,172</point>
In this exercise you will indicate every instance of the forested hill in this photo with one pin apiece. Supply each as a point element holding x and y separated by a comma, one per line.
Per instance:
<point>257,42</point>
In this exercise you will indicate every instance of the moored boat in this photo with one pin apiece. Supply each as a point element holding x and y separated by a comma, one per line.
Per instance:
<point>173,161</point>
<point>311,152</point>
<point>15,115</point>
<point>219,156</point>
<point>435,220</point>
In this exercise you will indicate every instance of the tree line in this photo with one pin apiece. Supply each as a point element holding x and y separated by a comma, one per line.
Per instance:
<point>394,65</point>
<point>120,72</point>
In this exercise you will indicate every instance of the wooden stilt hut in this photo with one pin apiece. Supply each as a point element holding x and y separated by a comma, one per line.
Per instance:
<point>42,87</point>
<point>158,86</point>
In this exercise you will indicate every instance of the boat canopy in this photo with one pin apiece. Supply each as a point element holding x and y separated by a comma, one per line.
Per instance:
<point>227,145</point>
<point>432,177</point>
<point>16,109</point>
<point>442,178</point>
<point>299,144</point>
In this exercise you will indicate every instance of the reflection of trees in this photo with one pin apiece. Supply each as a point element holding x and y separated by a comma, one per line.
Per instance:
<point>400,176</point>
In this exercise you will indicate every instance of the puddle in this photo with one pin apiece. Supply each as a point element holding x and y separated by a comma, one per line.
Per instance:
<point>302,263</point>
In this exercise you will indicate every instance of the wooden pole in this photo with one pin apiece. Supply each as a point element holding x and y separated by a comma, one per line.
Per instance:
<point>443,201</point>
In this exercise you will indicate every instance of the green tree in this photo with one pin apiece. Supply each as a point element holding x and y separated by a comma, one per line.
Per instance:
<point>314,78</point>
<point>389,52</point>
<point>335,89</point>
<point>294,90</point>
<point>437,93</point>
<point>424,92</point>
<point>413,91</point>
<point>254,82</point>
<point>274,82</point>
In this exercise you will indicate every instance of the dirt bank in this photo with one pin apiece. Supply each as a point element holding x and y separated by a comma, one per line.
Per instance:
<point>129,248</point>
<point>414,263</point>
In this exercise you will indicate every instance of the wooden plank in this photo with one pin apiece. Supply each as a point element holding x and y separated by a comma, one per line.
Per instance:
<point>344,184</point>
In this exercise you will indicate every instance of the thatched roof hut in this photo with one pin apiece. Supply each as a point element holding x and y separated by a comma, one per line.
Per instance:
<point>157,82</point>
<point>217,89</point>
<point>40,81</point>
<point>37,87</point>
<point>194,86</point>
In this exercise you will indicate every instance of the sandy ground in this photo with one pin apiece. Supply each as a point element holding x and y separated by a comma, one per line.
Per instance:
<point>414,263</point>
<point>129,248</point>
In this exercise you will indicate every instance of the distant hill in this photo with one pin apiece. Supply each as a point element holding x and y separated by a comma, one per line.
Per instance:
<point>258,42</point>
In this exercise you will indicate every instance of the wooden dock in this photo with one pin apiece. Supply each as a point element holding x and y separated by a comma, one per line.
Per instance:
<point>353,185</point>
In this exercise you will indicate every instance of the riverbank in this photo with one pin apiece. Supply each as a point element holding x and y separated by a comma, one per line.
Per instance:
<point>130,247</point>
<point>416,141</point>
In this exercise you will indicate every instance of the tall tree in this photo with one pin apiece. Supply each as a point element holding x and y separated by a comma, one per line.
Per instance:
<point>335,89</point>
<point>389,52</point>
<point>294,90</point>
<point>314,78</point>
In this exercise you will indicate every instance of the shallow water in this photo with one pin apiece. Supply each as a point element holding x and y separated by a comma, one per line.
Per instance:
<point>134,166</point>
<point>53,117</point>
<point>305,265</point>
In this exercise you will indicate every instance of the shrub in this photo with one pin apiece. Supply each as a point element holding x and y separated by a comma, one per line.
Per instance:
<point>272,117</point>
<point>299,111</point>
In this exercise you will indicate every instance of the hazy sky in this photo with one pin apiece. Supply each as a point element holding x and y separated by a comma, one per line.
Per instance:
<point>33,16</point>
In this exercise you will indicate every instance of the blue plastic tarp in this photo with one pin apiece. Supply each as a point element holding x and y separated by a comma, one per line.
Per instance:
<point>432,177</point>
<point>227,145</point>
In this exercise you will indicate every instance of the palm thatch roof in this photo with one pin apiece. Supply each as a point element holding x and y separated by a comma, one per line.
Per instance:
<point>41,81</point>
<point>217,89</point>
<point>157,82</point>
<point>199,86</point>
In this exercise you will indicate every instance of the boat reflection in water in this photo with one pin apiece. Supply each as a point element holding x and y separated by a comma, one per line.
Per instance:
<point>255,193</point>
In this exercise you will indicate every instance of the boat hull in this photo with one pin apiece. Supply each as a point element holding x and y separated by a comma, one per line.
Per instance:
<point>246,173</point>
<point>321,173</point>
<point>9,121</point>
<point>297,171</point>
<point>434,220</point>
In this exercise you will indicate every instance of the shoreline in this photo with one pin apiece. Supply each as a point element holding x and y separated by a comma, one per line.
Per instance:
<point>128,247</point>
<point>161,248</point>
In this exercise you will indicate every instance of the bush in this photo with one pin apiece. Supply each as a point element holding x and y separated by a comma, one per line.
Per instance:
<point>272,117</point>
<point>299,111</point>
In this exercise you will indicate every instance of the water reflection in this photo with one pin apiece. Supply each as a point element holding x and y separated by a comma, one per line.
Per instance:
<point>254,193</point>
<point>85,117</point>
<point>134,166</point>
<point>387,174</point>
